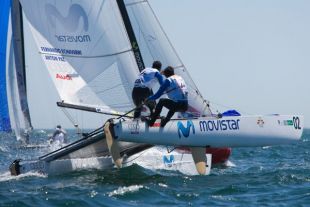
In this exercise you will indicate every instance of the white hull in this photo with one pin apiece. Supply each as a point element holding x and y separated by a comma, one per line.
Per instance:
<point>87,153</point>
<point>66,165</point>
<point>92,153</point>
<point>234,131</point>
<point>155,158</point>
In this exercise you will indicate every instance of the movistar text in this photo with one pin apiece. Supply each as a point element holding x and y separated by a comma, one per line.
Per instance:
<point>219,125</point>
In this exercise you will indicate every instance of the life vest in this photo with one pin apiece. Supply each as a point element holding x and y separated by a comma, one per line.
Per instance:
<point>60,137</point>
<point>147,78</point>
<point>177,90</point>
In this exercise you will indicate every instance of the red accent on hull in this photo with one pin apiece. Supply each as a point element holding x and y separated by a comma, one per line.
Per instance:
<point>219,155</point>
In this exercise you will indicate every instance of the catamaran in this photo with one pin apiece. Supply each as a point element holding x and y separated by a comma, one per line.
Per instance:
<point>93,51</point>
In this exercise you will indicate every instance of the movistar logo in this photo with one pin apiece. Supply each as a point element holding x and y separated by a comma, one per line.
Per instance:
<point>69,22</point>
<point>168,161</point>
<point>185,130</point>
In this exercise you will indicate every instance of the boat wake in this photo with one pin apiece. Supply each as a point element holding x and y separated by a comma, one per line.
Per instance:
<point>3,149</point>
<point>6,176</point>
<point>124,190</point>
<point>229,164</point>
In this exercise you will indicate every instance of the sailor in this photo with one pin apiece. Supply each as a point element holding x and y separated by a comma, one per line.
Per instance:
<point>175,88</point>
<point>143,87</point>
<point>60,135</point>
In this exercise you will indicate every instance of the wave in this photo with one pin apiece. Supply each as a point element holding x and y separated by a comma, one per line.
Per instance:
<point>124,190</point>
<point>6,176</point>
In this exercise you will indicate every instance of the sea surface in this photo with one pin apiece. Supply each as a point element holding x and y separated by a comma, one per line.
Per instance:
<point>260,176</point>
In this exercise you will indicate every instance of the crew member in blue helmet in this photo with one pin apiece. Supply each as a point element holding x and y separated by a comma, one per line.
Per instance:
<point>143,87</point>
<point>175,88</point>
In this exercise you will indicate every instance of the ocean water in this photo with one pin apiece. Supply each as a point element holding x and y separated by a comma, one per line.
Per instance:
<point>261,176</point>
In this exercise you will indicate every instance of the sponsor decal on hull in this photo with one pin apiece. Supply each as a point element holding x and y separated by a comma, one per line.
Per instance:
<point>168,160</point>
<point>134,127</point>
<point>39,166</point>
<point>295,122</point>
<point>185,131</point>
<point>219,125</point>
<point>260,122</point>
<point>285,122</point>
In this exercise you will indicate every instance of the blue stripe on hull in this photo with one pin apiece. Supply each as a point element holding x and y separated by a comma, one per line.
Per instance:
<point>4,110</point>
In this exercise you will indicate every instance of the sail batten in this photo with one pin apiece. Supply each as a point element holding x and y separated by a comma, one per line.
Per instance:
<point>84,56</point>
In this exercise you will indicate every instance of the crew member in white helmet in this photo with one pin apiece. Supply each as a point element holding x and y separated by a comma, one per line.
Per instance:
<point>143,87</point>
<point>175,88</point>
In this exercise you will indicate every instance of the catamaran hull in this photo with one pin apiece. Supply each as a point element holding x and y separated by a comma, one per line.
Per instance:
<point>234,131</point>
<point>87,153</point>
<point>155,158</point>
<point>60,166</point>
<point>92,153</point>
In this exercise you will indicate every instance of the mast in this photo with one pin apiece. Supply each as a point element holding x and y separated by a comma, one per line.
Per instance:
<point>19,52</point>
<point>131,34</point>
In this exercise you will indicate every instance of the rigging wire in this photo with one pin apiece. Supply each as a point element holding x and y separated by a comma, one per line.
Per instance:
<point>148,44</point>
<point>170,149</point>
<point>74,123</point>
<point>228,107</point>
<point>128,161</point>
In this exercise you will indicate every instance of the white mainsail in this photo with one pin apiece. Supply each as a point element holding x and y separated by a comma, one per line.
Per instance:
<point>16,86</point>
<point>86,49</point>
<point>17,121</point>
<point>89,61</point>
<point>154,44</point>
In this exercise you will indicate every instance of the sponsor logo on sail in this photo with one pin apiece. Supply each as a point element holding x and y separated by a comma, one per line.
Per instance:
<point>63,76</point>
<point>54,58</point>
<point>219,125</point>
<point>185,131</point>
<point>69,22</point>
<point>168,160</point>
<point>61,51</point>
<point>77,38</point>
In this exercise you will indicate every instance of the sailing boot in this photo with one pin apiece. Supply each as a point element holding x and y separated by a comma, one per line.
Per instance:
<point>163,121</point>
<point>151,121</point>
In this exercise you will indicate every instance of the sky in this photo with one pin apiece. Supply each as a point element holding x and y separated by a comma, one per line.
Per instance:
<point>252,56</point>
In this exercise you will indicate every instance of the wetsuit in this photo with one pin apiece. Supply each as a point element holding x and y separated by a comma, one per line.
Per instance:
<point>143,89</point>
<point>177,100</point>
